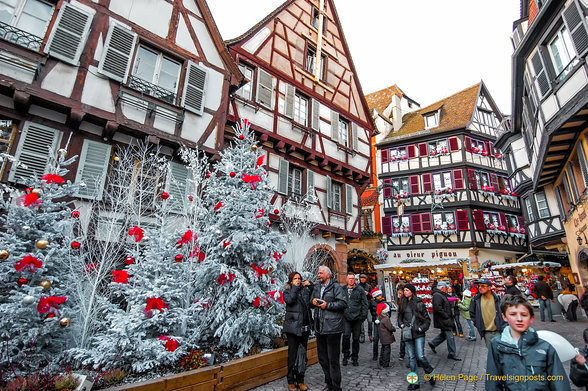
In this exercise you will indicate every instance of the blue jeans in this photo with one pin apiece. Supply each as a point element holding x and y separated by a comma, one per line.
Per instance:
<point>542,305</point>
<point>416,352</point>
<point>448,336</point>
<point>472,329</point>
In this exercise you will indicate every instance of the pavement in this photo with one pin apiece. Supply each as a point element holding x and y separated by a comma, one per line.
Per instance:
<point>459,375</point>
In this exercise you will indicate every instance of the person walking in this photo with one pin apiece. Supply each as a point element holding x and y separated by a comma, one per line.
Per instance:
<point>453,301</point>
<point>296,325</point>
<point>510,282</point>
<point>443,321</point>
<point>400,296</point>
<point>385,330</point>
<point>485,312</point>
<point>367,289</point>
<point>330,302</point>
<point>355,314</point>
<point>464,307</point>
<point>414,321</point>
<point>544,295</point>
<point>378,298</point>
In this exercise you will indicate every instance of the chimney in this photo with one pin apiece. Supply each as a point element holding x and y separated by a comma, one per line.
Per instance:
<point>396,112</point>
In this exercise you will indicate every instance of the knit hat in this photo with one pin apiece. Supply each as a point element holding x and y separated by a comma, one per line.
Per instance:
<point>382,308</point>
<point>376,292</point>
<point>467,293</point>
<point>410,287</point>
<point>442,284</point>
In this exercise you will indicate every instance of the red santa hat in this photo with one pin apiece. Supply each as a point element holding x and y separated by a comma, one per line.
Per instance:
<point>382,308</point>
<point>376,292</point>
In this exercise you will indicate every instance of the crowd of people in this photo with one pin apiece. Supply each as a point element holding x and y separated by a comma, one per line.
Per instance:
<point>337,313</point>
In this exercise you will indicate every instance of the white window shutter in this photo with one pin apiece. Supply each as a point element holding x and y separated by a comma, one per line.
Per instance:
<point>70,32</point>
<point>354,140</point>
<point>310,185</point>
<point>92,169</point>
<point>283,176</point>
<point>334,126</point>
<point>349,199</point>
<point>289,101</point>
<point>316,107</point>
<point>194,88</point>
<point>264,88</point>
<point>329,193</point>
<point>576,24</point>
<point>177,186</point>
<point>118,50</point>
<point>37,144</point>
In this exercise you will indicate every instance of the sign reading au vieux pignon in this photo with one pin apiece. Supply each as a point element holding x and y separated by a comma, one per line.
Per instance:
<point>428,254</point>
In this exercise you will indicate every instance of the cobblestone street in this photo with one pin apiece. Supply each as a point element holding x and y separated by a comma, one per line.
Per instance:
<point>368,377</point>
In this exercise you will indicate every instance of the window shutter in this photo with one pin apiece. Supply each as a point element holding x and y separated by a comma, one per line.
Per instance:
<point>453,144</point>
<point>479,220</point>
<point>567,190</point>
<point>354,137</point>
<point>92,169</point>
<point>467,141</point>
<point>329,193</point>
<point>386,225</point>
<point>521,221</point>
<point>583,163</point>
<point>349,190</point>
<point>415,221</point>
<point>472,179</point>
<point>118,49</point>
<point>423,149</point>
<point>427,183</point>
<point>283,171</point>
<point>414,184</point>
<point>411,151</point>
<point>310,185</point>
<point>335,126</point>
<point>194,88</point>
<point>462,220</point>
<point>315,120</point>
<point>384,153</point>
<point>490,148</point>
<point>426,224</point>
<point>562,210</point>
<point>70,32</point>
<point>458,179</point>
<point>177,186</point>
<point>264,88</point>
<point>540,73</point>
<point>503,220</point>
<point>289,101</point>
<point>494,182</point>
<point>576,24</point>
<point>37,144</point>
<point>387,188</point>
<point>573,183</point>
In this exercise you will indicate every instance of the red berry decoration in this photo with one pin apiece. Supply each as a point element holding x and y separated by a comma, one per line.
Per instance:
<point>129,260</point>
<point>75,214</point>
<point>241,137</point>
<point>208,175</point>
<point>164,196</point>
<point>22,281</point>
<point>179,258</point>
<point>232,174</point>
<point>75,245</point>
<point>190,198</point>
<point>276,212</point>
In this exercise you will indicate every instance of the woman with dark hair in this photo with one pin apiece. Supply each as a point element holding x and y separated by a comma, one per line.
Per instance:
<point>296,324</point>
<point>414,317</point>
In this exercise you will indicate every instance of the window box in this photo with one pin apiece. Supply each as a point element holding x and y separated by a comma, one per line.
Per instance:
<point>446,192</point>
<point>450,230</point>
<point>401,195</point>
<point>438,148</point>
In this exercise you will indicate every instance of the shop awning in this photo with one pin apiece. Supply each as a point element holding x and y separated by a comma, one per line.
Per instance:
<point>452,262</point>
<point>526,264</point>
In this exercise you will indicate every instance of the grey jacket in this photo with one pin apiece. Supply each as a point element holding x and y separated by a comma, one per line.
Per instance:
<point>331,319</point>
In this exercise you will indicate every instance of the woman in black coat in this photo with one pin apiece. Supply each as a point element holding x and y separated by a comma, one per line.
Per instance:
<point>296,324</point>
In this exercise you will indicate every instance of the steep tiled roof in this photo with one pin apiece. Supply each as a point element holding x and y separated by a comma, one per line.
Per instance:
<point>379,100</point>
<point>456,112</point>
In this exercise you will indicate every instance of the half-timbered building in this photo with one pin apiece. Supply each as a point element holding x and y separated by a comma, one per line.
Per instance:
<point>88,75</point>
<point>305,102</point>
<point>446,191</point>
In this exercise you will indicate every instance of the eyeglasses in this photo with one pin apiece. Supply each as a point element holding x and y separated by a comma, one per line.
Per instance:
<point>483,286</point>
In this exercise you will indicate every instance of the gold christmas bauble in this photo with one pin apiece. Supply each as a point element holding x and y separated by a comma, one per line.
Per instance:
<point>4,254</point>
<point>254,147</point>
<point>62,152</point>
<point>46,284</point>
<point>37,191</point>
<point>65,321</point>
<point>116,158</point>
<point>42,243</point>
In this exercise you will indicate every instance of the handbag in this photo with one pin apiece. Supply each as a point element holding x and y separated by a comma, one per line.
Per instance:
<point>407,330</point>
<point>300,364</point>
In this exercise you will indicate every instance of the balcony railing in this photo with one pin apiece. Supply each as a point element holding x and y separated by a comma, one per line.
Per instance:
<point>154,90</point>
<point>20,37</point>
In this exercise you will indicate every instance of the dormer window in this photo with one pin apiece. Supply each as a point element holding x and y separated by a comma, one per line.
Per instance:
<point>432,120</point>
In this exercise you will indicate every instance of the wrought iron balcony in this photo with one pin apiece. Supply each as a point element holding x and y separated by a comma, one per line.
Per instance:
<point>20,37</point>
<point>154,90</point>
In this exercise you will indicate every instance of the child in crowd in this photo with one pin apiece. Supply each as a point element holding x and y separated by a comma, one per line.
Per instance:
<point>518,359</point>
<point>386,330</point>
<point>464,307</point>
<point>578,369</point>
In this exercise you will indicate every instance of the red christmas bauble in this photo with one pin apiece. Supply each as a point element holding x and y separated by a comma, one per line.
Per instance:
<point>164,196</point>
<point>22,281</point>
<point>75,214</point>
<point>241,137</point>
<point>179,258</point>
<point>208,175</point>
<point>232,174</point>
<point>75,245</point>
<point>190,198</point>
<point>276,211</point>
<point>129,260</point>
<point>28,190</point>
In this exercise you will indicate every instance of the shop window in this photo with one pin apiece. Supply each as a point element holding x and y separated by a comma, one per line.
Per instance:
<point>155,74</point>
<point>25,22</point>
<point>438,148</point>
<point>246,91</point>
<point>444,222</point>
<point>542,206</point>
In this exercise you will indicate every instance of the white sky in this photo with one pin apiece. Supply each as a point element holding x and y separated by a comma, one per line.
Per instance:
<point>429,48</point>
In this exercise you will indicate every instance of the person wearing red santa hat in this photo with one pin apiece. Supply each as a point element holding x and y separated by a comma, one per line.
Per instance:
<point>385,330</point>
<point>378,298</point>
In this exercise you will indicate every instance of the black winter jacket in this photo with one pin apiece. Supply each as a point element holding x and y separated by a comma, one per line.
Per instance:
<point>442,311</point>
<point>579,373</point>
<point>476,314</point>
<point>541,288</point>
<point>357,304</point>
<point>331,319</point>
<point>512,290</point>
<point>421,323</point>
<point>297,300</point>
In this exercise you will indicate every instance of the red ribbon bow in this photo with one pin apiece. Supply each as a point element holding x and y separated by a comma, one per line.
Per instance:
<point>259,270</point>
<point>48,305</point>
<point>155,303</point>
<point>186,238</point>
<point>171,344</point>
<point>252,180</point>
<point>52,178</point>
<point>137,233</point>
<point>120,276</point>
<point>223,278</point>
<point>30,199</point>
<point>29,262</point>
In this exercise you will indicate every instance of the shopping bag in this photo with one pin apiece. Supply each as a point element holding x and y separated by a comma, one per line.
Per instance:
<point>300,364</point>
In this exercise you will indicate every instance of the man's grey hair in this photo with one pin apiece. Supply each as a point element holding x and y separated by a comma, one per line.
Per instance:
<point>326,270</point>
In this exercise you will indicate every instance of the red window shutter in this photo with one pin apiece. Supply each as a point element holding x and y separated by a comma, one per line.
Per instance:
<point>521,221</point>
<point>387,189</point>
<point>491,148</point>
<point>503,220</point>
<point>415,221</point>
<point>462,220</point>
<point>453,145</point>
<point>494,181</point>
<point>488,147</point>
<point>458,179</point>
<point>427,183</point>
<point>411,151</point>
<point>479,220</point>
<point>423,149</point>
<point>472,179</point>
<point>384,156</point>
<point>426,225</point>
<point>467,143</point>
<point>386,225</point>
<point>414,184</point>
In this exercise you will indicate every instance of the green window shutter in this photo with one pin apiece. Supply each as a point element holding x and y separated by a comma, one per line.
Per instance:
<point>576,24</point>
<point>118,49</point>
<point>310,186</point>
<point>92,169</point>
<point>264,88</point>
<point>316,108</point>
<point>334,126</point>
<point>289,101</point>
<point>349,190</point>
<point>194,88</point>
<point>70,32</point>
<point>329,193</point>
<point>354,137</point>
<point>283,176</point>
<point>37,144</point>
<point>177,186</point>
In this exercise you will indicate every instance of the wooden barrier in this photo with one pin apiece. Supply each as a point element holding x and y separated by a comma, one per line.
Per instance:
<point>242,374</point>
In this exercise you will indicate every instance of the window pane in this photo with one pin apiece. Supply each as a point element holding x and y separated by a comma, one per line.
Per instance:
<point>300,109</point>
<point>145,64</point>
<point>542,206</point>
<point>437,181</point>
<point>446,179</point>
<point>34,17</point>
<point>168,77</point>
<point>7,8</point>
<point>529,209</point>
<point>343,132</point>
<point>246,90</point>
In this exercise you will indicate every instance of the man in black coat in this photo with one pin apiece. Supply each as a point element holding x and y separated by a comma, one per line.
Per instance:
<point>355,314</point>
<point>330,302</point>
<point>544,295</point>
<point>367,288</point>
<point>510,282</point>
<point>443,320</point>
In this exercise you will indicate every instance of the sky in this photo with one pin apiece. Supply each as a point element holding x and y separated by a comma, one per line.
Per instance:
<point>430,48</point>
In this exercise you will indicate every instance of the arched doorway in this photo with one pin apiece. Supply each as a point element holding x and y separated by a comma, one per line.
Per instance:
<point>320,255</point>
<point>362,262</point>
